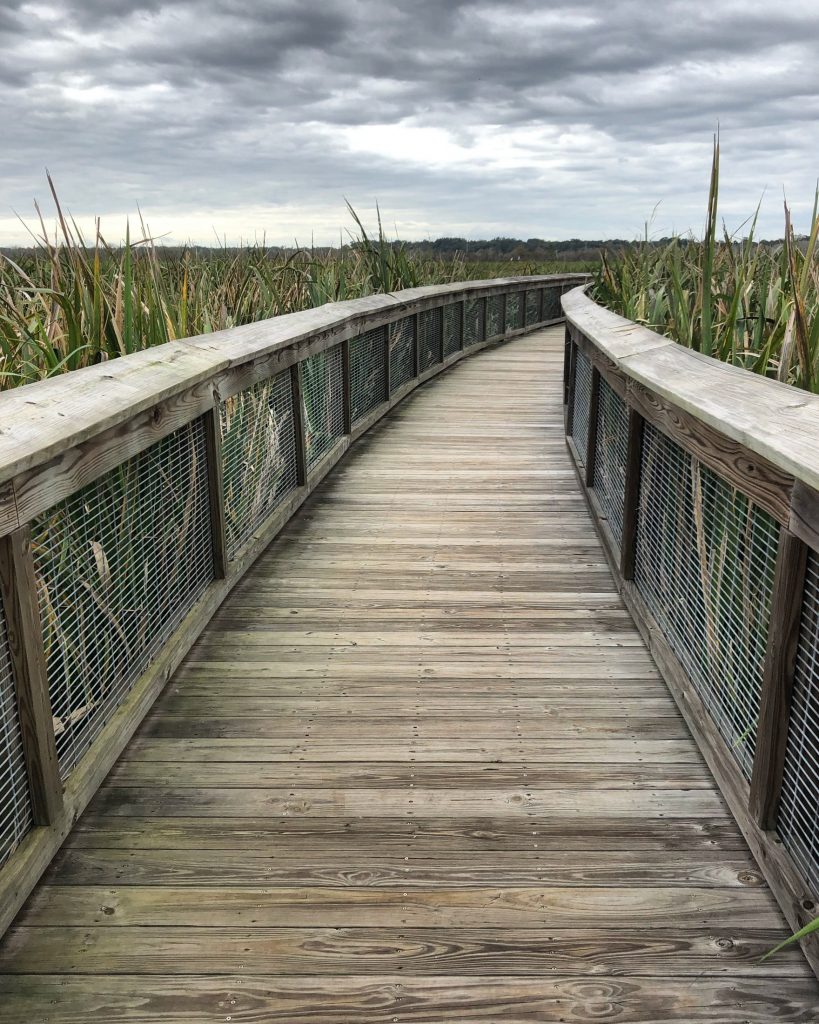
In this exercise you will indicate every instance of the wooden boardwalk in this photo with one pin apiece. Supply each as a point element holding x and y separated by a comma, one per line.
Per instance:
<point>419,768</point>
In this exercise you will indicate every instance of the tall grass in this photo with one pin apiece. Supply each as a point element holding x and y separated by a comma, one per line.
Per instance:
<point>71,301</point>
<point>752,304</point>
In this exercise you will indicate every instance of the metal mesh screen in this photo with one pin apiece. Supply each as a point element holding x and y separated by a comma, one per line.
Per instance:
<point>402,355</point>
<point>452,328</point>
<point>582,403</point>
<point>551,303</point>
<point>705,565</point>
<point>367,372</point>
<point>514,311</point>
<point>798,820</point>
<point>15,805</point>
<point>532,307</point>
<point>494,316</point>
<point>118,565</point>
<point>430,337</point>
<point>474,321</point>
<point>258,455</point>
<point>322,392</point>
<point>610,457</point>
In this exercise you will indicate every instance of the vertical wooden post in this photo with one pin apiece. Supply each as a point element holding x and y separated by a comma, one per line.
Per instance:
<point>484,319</point>
<point>567,362</point>
<point>777,678</point>
<point>439,320</point>
<point>462,326</point>
<point>216,489</point>
<point>298,425</point>
<point>541,306</point>
<point>416,344</point>
<point>631,500</point>
<point>387,374</point>
<point>591,436</point>
<point>346,386</point>
<point>571,386</point>
<point>504,307</point>
<point>26,647</point>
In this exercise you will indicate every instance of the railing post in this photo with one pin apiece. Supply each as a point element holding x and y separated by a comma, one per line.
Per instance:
<point>570,387</point>
<point>541,305</point>
<point>631,499</point>
<point>387,375</point>
<point>777,678</point>
<point>346,387</point>
<point>504,307</point>
<point>462,327</point>
<point>216,489</point>
<point>484,319</point>
<point>591,436</point>
<point>416,345</point>
<point>567,362</point>
<point>27,650</point>
<point>298,425</point>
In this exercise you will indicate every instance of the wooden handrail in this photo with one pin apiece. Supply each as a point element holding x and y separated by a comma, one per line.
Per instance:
<point>759,437</point>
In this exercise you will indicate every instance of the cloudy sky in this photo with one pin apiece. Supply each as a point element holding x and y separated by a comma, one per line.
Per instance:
<point>472,118</point>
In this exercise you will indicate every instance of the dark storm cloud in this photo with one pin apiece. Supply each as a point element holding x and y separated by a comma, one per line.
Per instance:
<point>520,117</point>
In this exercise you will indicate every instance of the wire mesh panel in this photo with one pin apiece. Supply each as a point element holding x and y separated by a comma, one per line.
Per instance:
<point>582,402</point>
<point>322,393</point>
<point>704,565</point>
<point>798,818</point>
<point>551,303</point>
<point>430,337</point>
<point>474,321</point>
<point>15,804</point>
<point>514,311</point>
<point>494,316</point>
<point>610,457</point>
<point>118,564</point>
<point>402,353</point>
<point>367,372</point>
<point>532,307</point>
<point>452,328</point>
<point>258,455</point>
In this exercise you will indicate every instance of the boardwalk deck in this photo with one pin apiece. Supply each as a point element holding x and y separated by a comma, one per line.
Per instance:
<point>419,768</point>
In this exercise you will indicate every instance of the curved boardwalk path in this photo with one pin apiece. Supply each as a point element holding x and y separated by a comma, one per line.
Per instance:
<point>419,768</point>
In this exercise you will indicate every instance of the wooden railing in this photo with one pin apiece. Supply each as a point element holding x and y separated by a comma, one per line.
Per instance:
<point>703,480</point>
<point>135,493</point>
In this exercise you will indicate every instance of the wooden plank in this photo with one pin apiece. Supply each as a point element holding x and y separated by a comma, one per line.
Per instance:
<point>423,838</point>
<point>646,908</point>
<point>402,870</point>
<point>777,680</point>
<point>18,590</point>
<point>334,952</point>
<point>380,999</point>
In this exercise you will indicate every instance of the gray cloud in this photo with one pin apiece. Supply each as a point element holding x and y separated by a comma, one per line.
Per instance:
<point>470,117</point>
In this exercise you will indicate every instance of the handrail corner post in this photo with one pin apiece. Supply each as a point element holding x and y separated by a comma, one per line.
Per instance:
<point>18,588</point>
